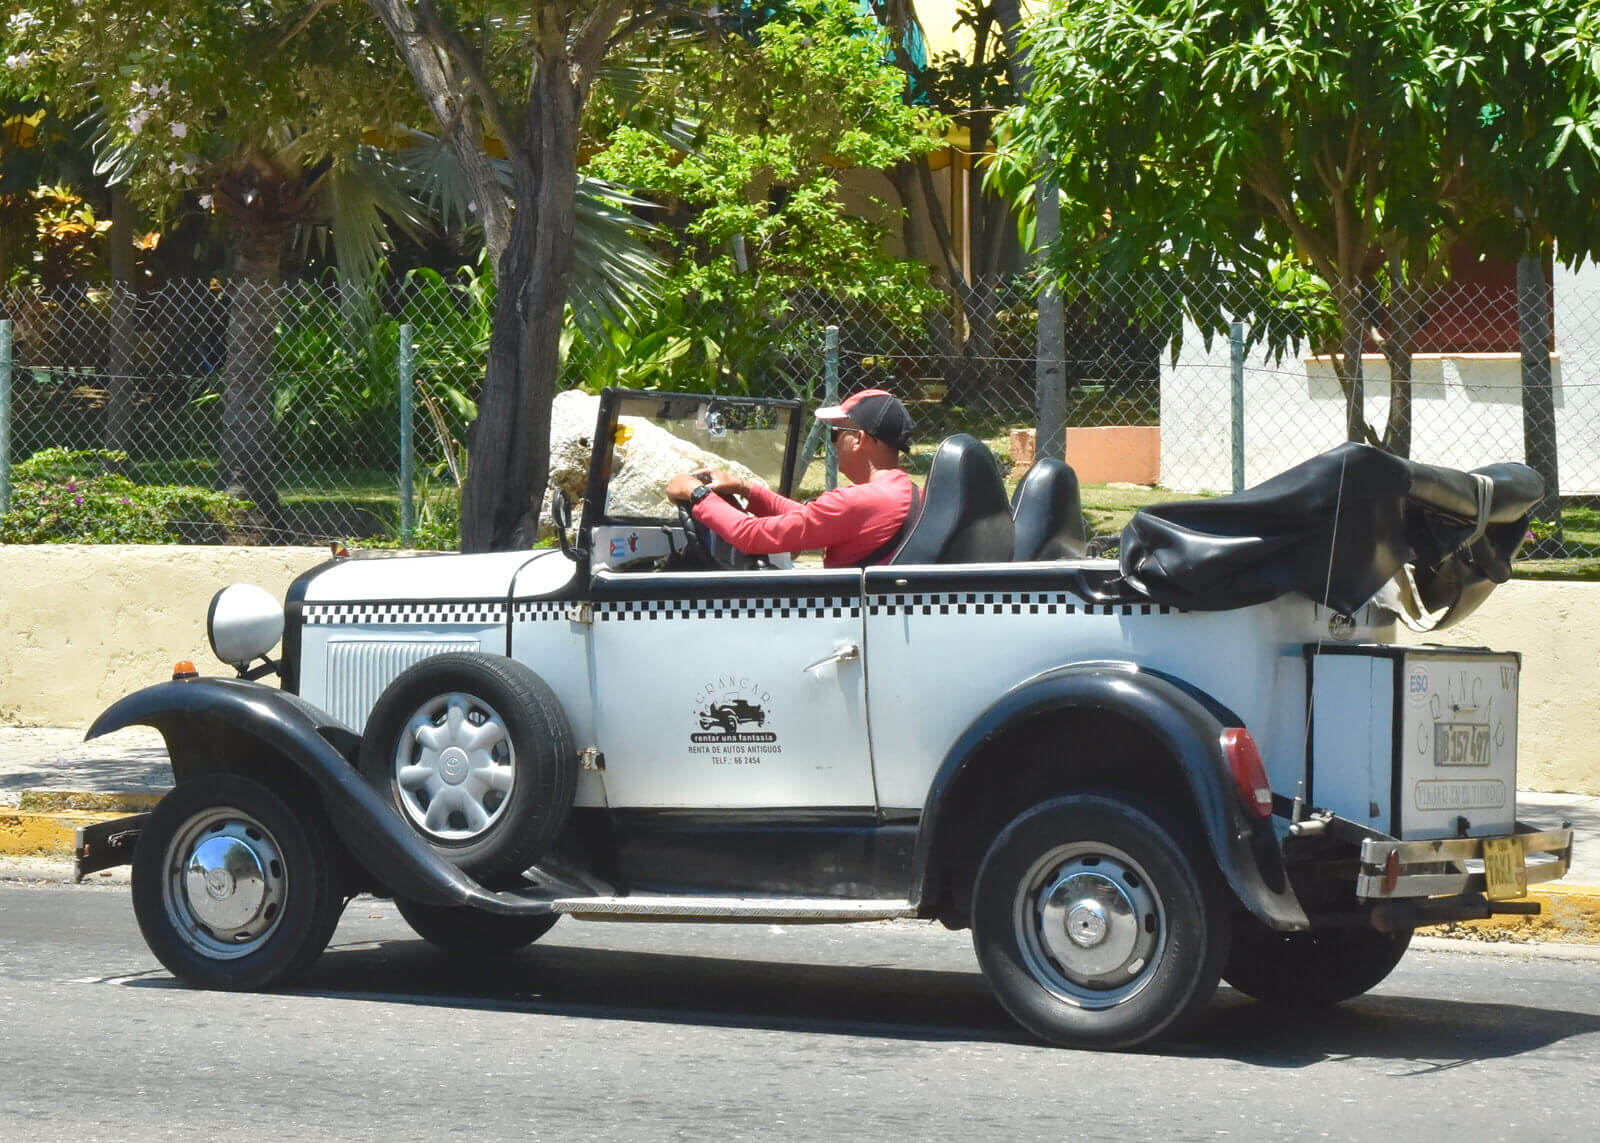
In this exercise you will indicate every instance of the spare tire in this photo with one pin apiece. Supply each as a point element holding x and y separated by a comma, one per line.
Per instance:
<point>476,754</point>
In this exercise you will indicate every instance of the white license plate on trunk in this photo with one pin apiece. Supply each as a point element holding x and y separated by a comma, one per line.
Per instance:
<point>1457,751</point>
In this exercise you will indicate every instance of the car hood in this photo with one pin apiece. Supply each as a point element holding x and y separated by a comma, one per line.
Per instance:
<point>441,575</point>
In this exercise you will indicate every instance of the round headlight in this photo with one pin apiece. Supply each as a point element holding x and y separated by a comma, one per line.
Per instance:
<point>244,623</point>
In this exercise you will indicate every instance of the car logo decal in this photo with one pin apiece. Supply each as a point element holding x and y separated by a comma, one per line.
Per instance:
<point>732,722</point>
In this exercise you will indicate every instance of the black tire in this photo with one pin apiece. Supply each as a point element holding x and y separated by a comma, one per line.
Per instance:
<point>472,933</point>
<point>221,849</point>
<point>1310,970</point>
<point>535,756</point>
<point>1150,912</point>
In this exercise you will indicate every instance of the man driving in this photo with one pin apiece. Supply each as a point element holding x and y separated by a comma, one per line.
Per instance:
<point>856,525</point>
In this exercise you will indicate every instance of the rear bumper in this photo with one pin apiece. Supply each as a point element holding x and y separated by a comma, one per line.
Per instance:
<point>1393,869</point>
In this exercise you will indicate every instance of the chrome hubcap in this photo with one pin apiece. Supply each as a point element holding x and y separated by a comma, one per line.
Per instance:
<point>1090,926</point>
<point>454,767</point>
<point>225,883</point>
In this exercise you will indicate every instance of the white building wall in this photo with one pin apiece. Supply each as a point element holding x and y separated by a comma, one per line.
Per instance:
<point>1467,407</point>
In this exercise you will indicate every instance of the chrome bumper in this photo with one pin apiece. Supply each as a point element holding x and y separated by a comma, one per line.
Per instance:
<point>1391,869</point>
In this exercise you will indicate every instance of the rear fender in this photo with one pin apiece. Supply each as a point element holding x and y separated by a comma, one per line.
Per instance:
<point>230,724</point>
<point>1187,725</point>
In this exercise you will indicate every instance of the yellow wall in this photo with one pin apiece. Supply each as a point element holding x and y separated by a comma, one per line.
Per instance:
<point>1553,625</point>
<point>83,625</point>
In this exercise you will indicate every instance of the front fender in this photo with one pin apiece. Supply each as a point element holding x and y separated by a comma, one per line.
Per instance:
<point>203,722</point>
<point>1189,727</point>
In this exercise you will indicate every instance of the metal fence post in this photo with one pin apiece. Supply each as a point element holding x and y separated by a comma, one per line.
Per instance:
<point>408,509</point>
<point>830,393</point>
<point>5,416</point>
<point>1236,344</point>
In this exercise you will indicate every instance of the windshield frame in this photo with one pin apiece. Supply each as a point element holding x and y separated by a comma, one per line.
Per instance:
<point>612,400</point>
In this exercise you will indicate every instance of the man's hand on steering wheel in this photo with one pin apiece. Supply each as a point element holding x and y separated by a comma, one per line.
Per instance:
<point>702,544</point>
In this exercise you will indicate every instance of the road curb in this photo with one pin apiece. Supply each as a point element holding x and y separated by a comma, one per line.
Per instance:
<point>1568,914</point>
<point>26,833</point>
<point>45,823</point>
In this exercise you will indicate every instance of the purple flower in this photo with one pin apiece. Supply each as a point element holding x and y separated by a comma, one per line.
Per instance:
<point>125,500</point>
<point>71,487</point>
<point>77,500</point>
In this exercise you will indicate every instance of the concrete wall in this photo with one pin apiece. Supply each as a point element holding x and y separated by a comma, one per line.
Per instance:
<point>1553,625</point>
<point>81,626</point>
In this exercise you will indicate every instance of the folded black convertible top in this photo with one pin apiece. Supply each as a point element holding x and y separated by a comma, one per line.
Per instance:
<point>1337,529</point>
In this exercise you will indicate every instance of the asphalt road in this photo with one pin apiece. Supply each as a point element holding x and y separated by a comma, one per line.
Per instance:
<point>632,1031</point>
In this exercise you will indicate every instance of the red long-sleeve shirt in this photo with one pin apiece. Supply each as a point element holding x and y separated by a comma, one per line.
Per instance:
<point>848,523</point>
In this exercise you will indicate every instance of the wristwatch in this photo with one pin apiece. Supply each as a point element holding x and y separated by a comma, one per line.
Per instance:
<point>699,494</point>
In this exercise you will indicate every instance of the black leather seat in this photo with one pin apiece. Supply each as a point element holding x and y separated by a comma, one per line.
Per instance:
<point>964,517</point>
<point>1047,513</point>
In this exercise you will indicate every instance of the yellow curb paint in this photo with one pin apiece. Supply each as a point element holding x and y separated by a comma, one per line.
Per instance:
<point>53,801</point>
<point>1570,913</point>
<point>25,834</point>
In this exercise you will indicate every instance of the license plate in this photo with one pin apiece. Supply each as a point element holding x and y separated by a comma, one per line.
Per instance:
<point>1504,868</point>
<point>1461,744</point>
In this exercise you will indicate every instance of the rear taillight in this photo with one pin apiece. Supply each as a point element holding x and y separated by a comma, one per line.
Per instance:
<point>1249,775</point>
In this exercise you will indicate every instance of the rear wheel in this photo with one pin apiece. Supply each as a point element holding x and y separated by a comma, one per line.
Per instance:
<point>468,932</point>
<point>234,886</point>
<point>1094,925</point>
<point>1311,970</point>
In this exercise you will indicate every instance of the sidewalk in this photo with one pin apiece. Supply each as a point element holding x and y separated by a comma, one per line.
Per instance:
<point>51,781</point>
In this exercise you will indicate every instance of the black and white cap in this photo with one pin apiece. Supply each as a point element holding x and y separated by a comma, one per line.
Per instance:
<point>876,412</point>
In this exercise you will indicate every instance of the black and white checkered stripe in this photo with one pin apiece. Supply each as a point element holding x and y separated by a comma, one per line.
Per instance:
<point>1004,603</point>
<point>789,607</point>
<point>540,610</point>
<point>473,612</point>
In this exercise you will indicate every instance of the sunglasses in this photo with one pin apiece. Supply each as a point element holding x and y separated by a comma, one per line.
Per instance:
<point>835,434</point>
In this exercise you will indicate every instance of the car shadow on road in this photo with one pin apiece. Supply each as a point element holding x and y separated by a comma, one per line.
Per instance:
<point>1425,1034</point>
<point>609,984</point>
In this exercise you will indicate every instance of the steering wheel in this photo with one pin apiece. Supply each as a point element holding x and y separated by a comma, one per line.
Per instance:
<point>703,547</point>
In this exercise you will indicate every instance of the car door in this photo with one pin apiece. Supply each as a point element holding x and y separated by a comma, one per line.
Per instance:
<point>731,689</point>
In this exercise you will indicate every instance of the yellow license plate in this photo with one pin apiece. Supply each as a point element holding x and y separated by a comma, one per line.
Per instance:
<point>1504,868</point>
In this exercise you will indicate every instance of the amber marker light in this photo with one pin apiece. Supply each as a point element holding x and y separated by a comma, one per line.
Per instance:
<point>183,669</point>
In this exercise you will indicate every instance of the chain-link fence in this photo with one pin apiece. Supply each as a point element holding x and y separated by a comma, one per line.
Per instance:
<point>316,404</point>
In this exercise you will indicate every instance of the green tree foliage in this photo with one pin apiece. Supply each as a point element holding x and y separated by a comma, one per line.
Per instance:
<point>755,213</point>
<point>1357,141</point>
<point>255,110</point>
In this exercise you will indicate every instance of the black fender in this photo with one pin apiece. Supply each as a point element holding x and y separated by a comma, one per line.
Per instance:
<point>203,722</point>
<point>1187,723</point>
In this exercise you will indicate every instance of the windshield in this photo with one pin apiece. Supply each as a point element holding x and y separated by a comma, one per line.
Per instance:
<point>658,437</point>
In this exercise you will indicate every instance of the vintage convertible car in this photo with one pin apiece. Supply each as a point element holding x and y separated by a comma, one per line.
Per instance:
<point>1127,778</point>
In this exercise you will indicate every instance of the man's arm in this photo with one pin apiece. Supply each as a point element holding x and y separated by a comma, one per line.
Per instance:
<point>762,500</point>
<point>831,518</point>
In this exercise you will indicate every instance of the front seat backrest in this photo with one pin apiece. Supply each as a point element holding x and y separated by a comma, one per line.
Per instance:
<point>1048,514</point>
<point>964,516</point>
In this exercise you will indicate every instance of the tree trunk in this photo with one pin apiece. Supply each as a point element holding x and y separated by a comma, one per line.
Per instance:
<point>1538,396</point>
<point>1400,338</point>
<point>120,380</point>
<point>247,454</point>
<point>1347,361</point>
<point>508,453</point>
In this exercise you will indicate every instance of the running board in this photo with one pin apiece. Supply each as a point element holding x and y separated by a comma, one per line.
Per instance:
<point>729,908</point>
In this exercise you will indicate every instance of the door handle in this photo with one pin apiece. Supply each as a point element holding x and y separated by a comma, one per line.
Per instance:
<point>844,654</point>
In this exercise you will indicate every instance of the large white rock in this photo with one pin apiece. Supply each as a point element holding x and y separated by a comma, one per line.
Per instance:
<point>643,464</point>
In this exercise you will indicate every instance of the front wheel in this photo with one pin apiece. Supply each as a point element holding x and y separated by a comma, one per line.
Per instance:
<point>234,889</point>
<point>1311,970</point>
<point>1094,924</point>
